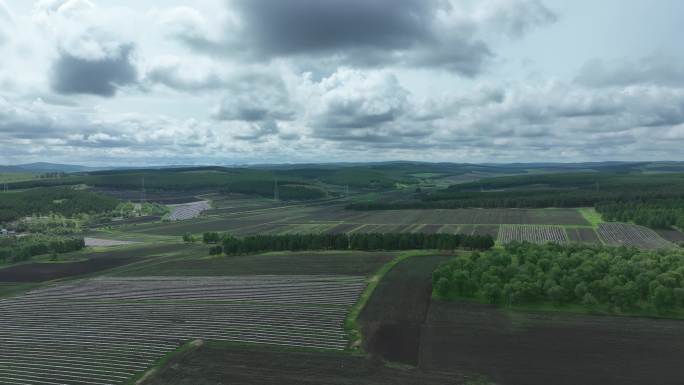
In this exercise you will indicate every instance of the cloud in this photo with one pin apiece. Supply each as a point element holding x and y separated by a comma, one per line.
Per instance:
<point>6,19</point>
<point>351,99</point>
<point>513,18</point>
<point>444,34</point>
<point>654,70</point>
<point>255,97</point>
<point>172,72</point>
<point>97,72</point>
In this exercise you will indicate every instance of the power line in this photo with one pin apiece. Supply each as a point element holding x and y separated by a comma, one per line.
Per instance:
<point>142,192</point>
<point>276,195</point>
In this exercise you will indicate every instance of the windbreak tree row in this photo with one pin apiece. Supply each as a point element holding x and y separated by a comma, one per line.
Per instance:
<point>367,242</point>
<point>614,279</point>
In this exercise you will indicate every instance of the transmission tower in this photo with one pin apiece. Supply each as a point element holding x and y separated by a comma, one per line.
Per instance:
<point>276,195</point>
<point>142,193</point>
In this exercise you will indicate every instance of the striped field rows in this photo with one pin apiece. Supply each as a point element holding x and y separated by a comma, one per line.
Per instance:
<point>106,331</point>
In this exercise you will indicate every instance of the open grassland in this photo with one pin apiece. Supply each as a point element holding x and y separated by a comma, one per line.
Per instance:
<point>619,234</point>
<point>107,331</point>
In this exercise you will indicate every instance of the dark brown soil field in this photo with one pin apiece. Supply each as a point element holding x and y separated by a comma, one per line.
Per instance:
<point>342,228</point>
<point>214,364</point>
<point>431,229</point>
<point>466,229</point>
<point>392,320</point>
<point>325,263</point>
<point>582,235</point>
<point>487,230</point>
<point>674,236</point>
<point>47,271</point>
<point>41,272</point>
<point>547,348</point>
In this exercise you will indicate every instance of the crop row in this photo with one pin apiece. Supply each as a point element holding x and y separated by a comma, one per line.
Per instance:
<point>534,234</point>
<point>619,234</point>
<point>188,210</point>
<point>105,331</point>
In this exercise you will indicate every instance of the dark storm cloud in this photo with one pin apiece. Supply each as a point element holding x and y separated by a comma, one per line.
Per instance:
<point>302,26</point>
<point>72,74</point>
<point>654,70</point>
<point>367,33</point>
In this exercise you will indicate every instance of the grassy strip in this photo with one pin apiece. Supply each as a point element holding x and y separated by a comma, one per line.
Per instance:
<point>351,324</point>
<point>140,378</point>
<point>592,216</point>
<point>8,290</point>
<point>271,347</point>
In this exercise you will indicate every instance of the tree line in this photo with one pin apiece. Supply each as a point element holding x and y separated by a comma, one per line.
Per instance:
<point>658,214</point>
<point>19,249</point>
<point>231,245</point>
<point>614,279</point>
<point>59,200</point>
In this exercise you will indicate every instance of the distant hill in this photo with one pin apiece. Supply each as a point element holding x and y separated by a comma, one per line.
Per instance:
<point>11,170</point>
<point>43,167</point>
<point>403,166</point>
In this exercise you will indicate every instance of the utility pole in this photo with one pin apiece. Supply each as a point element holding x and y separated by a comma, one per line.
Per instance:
<point>276,195</point>
<point>142,193</point>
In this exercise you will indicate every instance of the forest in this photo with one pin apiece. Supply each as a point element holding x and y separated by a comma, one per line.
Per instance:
<point>58,200</point>
<point>19,249</point>
<point>366,242</point>
<point>653,200</point>
<point>593,277</point>
<point>236,180</point>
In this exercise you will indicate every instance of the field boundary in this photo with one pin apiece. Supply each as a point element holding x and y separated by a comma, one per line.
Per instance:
<point>351,324</point>
<point>592,216</point>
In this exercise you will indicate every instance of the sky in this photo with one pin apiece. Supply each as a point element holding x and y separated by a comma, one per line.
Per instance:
<point>160,82</point>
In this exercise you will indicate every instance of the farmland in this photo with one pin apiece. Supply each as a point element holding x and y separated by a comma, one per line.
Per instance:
<point>108,330</point>
<point>534,234</point>
<point>618,234</point>
<point>393,318</point>
<point>333,218</point>
<point>216,363</point>
<point>540,348</point>
<point>188,210</point>
<point>146,293</point>
<point>355,263</point>
<point>87,262</point>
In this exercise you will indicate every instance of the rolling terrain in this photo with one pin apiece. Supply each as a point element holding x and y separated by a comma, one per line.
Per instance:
<point>154,298</point>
